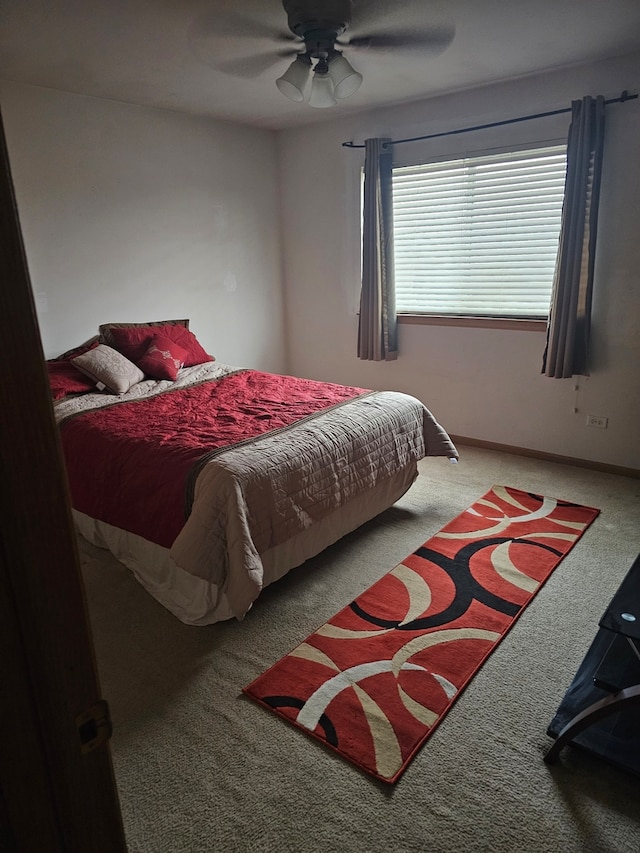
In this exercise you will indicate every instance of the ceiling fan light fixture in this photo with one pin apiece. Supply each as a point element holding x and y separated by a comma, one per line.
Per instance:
<point>293,83</point>
<point>346,80</point>
<point>322,91</point>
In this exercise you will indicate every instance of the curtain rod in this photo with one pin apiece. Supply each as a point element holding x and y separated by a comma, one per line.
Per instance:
<point>625,96</point>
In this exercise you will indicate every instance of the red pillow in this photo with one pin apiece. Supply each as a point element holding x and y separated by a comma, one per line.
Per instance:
<point>163,358</point>
<point>133,342</point>
<point>65,379</point>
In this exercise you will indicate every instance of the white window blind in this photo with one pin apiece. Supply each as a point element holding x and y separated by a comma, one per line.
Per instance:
<point>479,236</point>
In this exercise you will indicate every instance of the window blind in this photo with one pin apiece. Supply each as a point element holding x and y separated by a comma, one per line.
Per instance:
<point>479,236</point>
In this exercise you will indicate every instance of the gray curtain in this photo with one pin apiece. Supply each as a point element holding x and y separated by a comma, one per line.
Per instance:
<point>567,348</point>
<point>378,328</point>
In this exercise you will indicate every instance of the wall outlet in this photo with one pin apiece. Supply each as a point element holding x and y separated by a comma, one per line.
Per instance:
<point>597,421</point>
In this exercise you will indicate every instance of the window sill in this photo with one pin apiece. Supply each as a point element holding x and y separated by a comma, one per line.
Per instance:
<point>473,322</point>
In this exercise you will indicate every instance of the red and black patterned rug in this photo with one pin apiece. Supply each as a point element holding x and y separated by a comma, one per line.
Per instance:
<point>376,679</point>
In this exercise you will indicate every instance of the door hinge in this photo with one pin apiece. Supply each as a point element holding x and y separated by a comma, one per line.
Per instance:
<point>94,726</point>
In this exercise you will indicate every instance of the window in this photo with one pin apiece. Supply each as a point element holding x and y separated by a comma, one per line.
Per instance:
<point>478,236</point>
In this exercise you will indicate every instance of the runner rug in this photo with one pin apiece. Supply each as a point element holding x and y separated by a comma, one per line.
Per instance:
<point>375,680</point>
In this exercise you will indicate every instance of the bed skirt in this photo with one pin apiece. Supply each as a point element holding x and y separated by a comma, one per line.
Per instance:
<point>195,601</point>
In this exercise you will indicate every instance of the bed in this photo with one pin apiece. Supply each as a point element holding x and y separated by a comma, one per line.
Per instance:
<point>209,481</point>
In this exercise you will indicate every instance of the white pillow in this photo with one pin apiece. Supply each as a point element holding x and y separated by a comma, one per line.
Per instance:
<point>109,368</point>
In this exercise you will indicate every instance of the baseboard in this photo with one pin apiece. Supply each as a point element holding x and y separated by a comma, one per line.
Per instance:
<point>547,457</point>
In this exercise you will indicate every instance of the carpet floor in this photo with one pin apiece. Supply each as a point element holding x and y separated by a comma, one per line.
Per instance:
<point>199,770</point>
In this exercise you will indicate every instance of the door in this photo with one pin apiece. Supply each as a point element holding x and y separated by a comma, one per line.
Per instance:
<point>57,789</point>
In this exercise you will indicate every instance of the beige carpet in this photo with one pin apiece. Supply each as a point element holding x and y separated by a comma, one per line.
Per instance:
<point>201,768</point>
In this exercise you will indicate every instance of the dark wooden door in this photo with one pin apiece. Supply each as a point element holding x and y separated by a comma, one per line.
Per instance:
<point>54,796</point>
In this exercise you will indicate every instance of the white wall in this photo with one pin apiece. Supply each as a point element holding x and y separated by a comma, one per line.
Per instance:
<point>480,383</point>
<point>134,214</point>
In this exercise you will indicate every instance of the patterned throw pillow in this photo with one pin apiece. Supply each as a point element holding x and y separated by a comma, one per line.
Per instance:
<point>163,358</point>
<point>109,368</point>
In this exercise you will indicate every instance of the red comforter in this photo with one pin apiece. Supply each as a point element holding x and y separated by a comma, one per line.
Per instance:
<point>132,464</point>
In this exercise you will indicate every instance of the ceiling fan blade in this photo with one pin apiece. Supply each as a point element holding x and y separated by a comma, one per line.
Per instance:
<point>413,25</point>
<point>225,40</point>
<point>253,66</point>
<point>434,40</point>
<point>231,24</point>
<point>371,13</point>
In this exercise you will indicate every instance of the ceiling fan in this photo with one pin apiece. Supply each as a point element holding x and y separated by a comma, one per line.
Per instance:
<point>319,31</point>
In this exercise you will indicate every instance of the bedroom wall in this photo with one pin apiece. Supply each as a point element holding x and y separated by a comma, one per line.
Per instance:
<point>135,214</point>
<point>480,383</point>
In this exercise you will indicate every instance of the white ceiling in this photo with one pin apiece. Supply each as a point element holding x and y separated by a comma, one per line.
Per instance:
<point>167,53</point>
